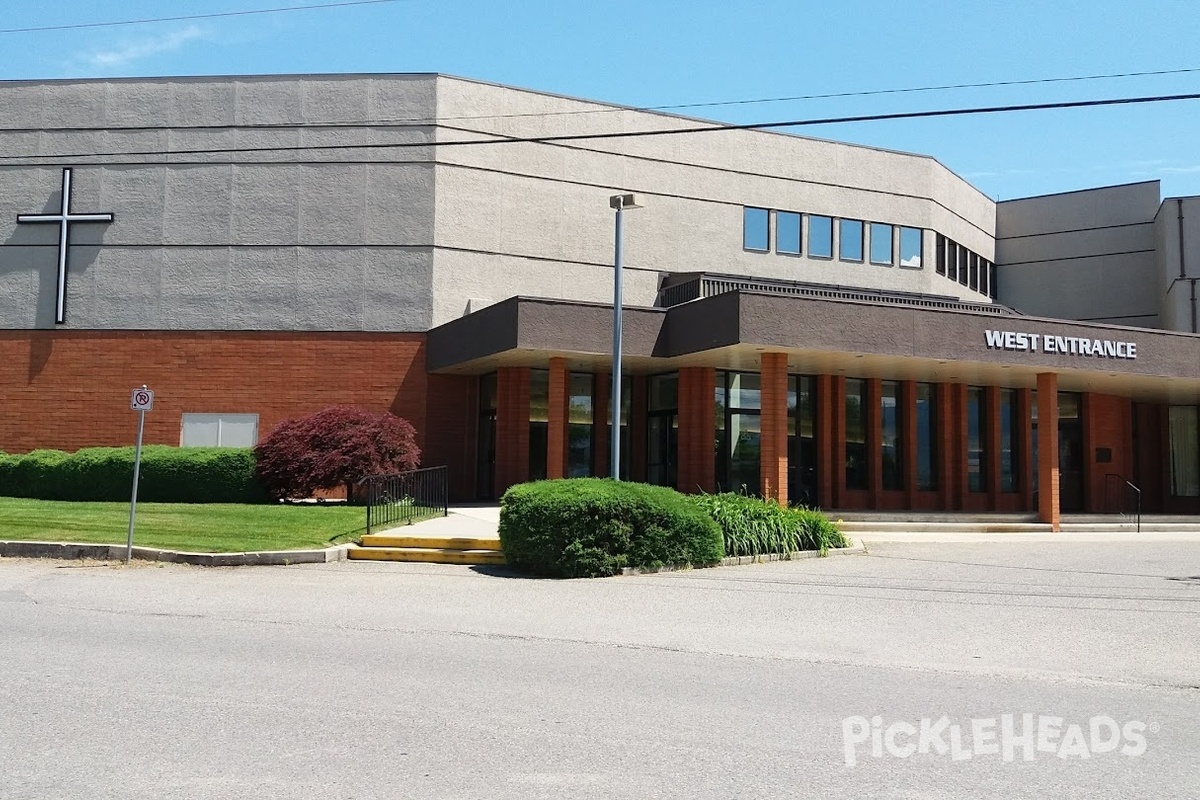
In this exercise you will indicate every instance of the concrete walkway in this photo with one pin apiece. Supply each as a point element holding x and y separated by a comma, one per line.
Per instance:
<point>472,521</point>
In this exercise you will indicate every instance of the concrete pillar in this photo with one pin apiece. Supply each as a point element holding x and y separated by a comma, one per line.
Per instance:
<point>1047,400</point>
<point>512,427</point>
<point>697,409</point>
<point>773,449</point>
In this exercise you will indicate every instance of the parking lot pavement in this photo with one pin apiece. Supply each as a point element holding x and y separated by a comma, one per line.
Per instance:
<point>395,680</point>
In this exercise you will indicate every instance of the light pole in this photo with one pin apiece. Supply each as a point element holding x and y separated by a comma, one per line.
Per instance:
<point>618,202</point>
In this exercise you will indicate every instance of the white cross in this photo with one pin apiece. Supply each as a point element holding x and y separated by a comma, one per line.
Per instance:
<point>64,219</point>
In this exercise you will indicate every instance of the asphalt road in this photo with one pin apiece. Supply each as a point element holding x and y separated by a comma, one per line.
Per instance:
<point>362,680</point>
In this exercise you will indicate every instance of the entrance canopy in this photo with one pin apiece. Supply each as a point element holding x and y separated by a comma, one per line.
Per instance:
<point>935,342</point>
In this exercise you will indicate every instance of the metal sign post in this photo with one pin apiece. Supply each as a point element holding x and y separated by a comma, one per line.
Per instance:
<point>140,400</point>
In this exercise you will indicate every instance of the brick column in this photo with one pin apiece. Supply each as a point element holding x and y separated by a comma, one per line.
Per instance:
<point>1048,507</point>
<point>600,419</point>
<point>827,441</point>
<point>773,450</point>
<point>908,440</point>
<point>956,430</point>
<point>874,418</point>
<point>1025,413</point>
<point>512,427</point>
<point>556,420</point>
<point>697,409</point>
<point>637,429</point>
<point>837,442</point>
<point>991,444</point>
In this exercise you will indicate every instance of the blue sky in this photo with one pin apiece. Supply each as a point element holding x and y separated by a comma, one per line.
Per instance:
<point>654,53</point>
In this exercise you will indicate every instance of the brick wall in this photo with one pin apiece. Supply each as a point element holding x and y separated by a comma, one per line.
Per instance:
<point>1108,424</point>
<point>70,389</point>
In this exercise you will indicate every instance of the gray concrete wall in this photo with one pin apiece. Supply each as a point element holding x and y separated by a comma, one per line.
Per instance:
<point>536,215</point>
<point>309,239</point>
<point>1087,255</point>
<point>1177,231</point>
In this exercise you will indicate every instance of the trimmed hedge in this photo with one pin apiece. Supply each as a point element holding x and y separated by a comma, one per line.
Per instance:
<point>753,526</point>
<point>593,527</point>
<point>169,475</point>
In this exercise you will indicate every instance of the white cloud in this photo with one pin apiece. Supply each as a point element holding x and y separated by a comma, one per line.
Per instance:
<point>131,51</point>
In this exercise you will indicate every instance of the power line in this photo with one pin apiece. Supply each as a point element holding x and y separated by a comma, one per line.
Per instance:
<point>833,95</point>
<point>570,137</point>
<point>191,17</point>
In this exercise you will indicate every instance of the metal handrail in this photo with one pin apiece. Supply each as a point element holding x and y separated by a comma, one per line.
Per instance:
<point>404,497</point>
<point>1128,485</point>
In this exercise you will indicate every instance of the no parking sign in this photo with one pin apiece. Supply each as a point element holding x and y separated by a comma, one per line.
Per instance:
<point>141,399</point>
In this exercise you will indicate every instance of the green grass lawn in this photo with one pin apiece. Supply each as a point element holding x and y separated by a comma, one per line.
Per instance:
<point>180,526</point>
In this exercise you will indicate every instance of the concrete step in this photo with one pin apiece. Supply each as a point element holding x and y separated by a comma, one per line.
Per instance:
<point>427,555</point>
<point>430,542</point>
<point>958,526</point>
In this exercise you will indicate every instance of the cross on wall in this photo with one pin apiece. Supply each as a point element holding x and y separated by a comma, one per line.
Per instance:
<point>64,218</point>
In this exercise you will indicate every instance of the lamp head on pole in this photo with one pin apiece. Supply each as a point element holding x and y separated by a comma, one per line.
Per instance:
<point>622,201</point>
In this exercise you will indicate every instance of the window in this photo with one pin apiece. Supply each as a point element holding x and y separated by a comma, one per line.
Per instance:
<point>1183,425</point>
<point>623,438</point>
<point>787,233</point>
<point>910,248</point>
<point>983,276</point>
<point>991,280</point>
<point>756,229</point>
<point>856,433</point>
<point>926,437</point>
<point>973,280</point>
<point>964,263</point>
<point>975,456</point>
<point>941,253</point>
<point>820,237</point>
<point>662,429</point>
<point>890,442</point>
<point>581,388</point>
<point>881,244</point>
<point>1010,425</point>
<point>850,244</point>
<point>739,431</point>
<point>539,422</point>
<point>219,430</point>
<point>802,441</point>
<point>951,260</point>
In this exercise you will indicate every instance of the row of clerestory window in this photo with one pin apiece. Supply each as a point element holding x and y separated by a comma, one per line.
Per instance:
<point>794,233</point>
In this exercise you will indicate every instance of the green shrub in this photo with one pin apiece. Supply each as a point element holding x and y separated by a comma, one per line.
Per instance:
<point>753,526</point>
<point>169,475</point>
<point>593,527</point>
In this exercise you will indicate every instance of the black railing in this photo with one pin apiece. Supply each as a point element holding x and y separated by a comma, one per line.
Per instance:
<point>405,497</point>
<point>1126,495</point>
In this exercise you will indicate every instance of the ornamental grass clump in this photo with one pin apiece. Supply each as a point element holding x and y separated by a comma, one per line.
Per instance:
<point>753,527</point>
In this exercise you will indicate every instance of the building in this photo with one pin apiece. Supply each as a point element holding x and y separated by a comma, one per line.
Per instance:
<point>816,321</point>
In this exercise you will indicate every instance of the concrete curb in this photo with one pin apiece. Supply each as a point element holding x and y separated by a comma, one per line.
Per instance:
<point>114,552</point>
<point>736,561</point>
